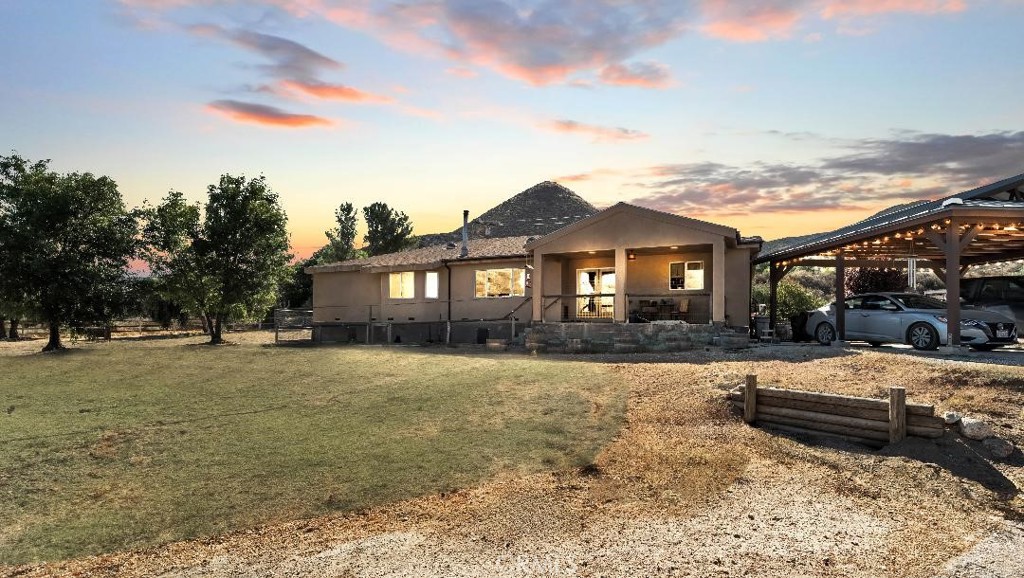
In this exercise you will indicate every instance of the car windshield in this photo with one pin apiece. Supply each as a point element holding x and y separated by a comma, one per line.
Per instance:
<point>911,301</point>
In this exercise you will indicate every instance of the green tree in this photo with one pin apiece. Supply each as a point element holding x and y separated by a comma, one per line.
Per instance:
<point>341,239</point>
<point>297,289</point>
<point>792,297</point>
<point>65,244</point>
<point>387,230</point>
<point>868,280</point>
<point>227,264</point>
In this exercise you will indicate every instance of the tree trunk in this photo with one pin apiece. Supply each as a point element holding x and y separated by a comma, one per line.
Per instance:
<point>215,329</point>
<point>3,329</point>
<point>54,344</point>
<point>207,324</point>
<point>13,335</point>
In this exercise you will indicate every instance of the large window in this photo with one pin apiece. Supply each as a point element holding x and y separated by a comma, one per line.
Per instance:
<point>686,275</point>
<point>500,283</point>
<point>402,285</point>
<point>596,293</point>
<point>431,289</point>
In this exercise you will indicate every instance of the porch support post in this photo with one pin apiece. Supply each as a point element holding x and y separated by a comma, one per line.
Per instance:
<point>773,293</point>
<point>621,305</point>
<point>840,295</point>
<point>718,281</point>
<point>952,250</point>
<point>537,287</point>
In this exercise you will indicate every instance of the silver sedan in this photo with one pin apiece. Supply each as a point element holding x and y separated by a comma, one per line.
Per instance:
<point>910,318</point>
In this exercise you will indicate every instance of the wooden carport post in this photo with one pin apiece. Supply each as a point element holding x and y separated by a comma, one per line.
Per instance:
<point>775,275</point>
<point>840,295</point>
<point>952,251</point>
<point>952,245</point>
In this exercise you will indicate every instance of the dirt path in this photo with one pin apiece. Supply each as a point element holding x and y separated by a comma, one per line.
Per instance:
<point>687,489</point>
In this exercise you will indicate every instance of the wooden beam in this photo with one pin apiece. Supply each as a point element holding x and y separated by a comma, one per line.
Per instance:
<point>750,400</point>
<point>952,285</point>
<point>969,236</point>
<point>1012,256</point>
<point>897,414</point>
<point>841,295</point>
<point>937,239</point>
<point>895,264</point>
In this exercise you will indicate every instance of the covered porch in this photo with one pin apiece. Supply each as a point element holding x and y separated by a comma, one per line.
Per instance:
<point>633,264</point>
<point>632,284</point>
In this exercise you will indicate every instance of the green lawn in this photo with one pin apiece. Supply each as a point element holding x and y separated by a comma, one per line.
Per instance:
<point>130,444</point>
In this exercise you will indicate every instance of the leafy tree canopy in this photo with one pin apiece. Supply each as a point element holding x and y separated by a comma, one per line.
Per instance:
<point>792,298</point>
<point>387,230</point>
<point>340,240</point>
<point>65,244</point>
<point>225,261</point>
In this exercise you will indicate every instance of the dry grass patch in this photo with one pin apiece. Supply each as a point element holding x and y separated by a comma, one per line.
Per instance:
<point>130,444</point>
<point>685,488</point>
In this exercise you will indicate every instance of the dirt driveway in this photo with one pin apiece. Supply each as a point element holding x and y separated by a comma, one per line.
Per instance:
<point>687,489</point>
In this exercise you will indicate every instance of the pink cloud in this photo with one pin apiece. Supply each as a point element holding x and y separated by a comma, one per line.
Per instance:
<point>599,133</point>
<point>461,72</point>
<point>590,176</point>
<point>544,42</point>
<point>749,22</point>
<point>540,43</point>
<point>837,8</point>
<point>252,113</point>
<point>329,91</point>
<point>640,74</point>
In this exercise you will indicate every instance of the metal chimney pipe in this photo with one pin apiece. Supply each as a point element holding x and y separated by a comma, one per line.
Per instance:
<point>465,234</point>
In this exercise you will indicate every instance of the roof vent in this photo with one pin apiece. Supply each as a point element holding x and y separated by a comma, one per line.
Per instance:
<point>952,201</point>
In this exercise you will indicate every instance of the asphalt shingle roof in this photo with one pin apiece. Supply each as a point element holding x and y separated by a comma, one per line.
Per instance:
<point>433,256</point>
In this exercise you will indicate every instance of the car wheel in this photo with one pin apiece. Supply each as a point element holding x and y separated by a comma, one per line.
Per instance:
<point>875,343</point>
<point>825,333</point>
<point>923,336</point>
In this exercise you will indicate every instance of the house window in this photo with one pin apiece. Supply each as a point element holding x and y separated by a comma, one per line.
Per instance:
<point>686,275</point>
<point>500,283</point>
<point>402,285</point>
<point>431,289</point>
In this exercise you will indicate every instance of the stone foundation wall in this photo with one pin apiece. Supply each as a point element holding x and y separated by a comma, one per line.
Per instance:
<point>434,332</point>
<point>632,337</point>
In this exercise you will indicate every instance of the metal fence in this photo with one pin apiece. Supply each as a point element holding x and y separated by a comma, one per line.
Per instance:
<point>293,325</point>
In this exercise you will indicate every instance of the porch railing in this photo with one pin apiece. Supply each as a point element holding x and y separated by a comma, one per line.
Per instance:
<point>690,307</point>
<point>583,307</point>
<point>642,308</point>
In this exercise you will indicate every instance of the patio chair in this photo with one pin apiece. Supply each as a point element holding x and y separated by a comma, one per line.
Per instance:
<point>682,311</point>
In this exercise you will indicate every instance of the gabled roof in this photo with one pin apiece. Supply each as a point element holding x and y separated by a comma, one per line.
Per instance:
<point>618,208</point>
<point>431,257</point>
<point>1007,194</point>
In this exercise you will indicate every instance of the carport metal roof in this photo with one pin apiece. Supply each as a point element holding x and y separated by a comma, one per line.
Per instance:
<point>990,220</point>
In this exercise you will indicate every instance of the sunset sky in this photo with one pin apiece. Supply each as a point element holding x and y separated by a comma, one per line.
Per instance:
<point>778,117</point>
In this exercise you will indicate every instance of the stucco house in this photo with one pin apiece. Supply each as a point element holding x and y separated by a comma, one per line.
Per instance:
<point>625,264</point>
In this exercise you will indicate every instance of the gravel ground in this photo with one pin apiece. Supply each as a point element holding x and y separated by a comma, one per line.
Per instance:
<point>687,489</point>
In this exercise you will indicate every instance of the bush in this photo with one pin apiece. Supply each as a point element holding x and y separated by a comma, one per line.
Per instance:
<point>867,280</point>
<point>793,298</point>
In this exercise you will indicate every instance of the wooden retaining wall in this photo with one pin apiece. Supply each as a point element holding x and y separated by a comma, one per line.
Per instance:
<point>864,420</point>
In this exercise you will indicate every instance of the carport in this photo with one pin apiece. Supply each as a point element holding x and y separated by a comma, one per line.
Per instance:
<point>948,236</point>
